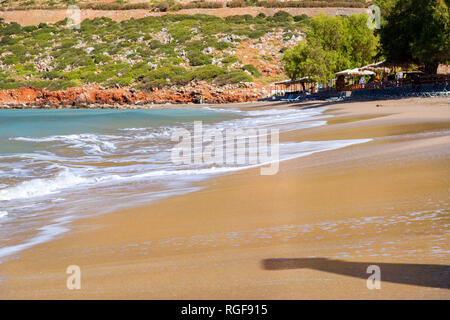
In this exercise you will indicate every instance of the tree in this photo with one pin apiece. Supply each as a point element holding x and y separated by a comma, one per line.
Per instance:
<point>309,60</point>
<point>332,44</point>
<point>418,31</point>
<point>386,6</point>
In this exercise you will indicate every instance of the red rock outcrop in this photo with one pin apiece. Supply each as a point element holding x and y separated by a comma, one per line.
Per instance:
<point>95,96</point>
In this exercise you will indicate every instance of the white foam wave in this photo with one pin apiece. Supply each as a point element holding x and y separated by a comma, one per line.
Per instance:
<point>164,132</point>
<point>3,214</point>
<point>41,187</point>
<point>134,129</point>
<point>288,151</point>
<point>66,179</point>
<point>46,234</point>
<point>299,112</point>
<point>95,144</point>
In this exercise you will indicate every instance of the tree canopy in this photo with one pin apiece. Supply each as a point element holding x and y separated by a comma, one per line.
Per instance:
<point>417,31</point>
<point>385,6</point>
<point>332,44</point>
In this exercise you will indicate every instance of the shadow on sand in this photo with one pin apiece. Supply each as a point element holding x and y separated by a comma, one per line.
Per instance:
<point>425,275</point>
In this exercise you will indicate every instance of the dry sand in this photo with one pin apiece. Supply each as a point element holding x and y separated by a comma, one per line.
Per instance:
<point>309,232</point>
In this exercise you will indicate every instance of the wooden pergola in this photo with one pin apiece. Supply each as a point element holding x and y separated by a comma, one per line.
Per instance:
<point>289,86</point>
<point>385,67</point>
<point>351,74</point>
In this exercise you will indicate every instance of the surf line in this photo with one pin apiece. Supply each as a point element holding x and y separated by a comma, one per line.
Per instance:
<point>229,148</point>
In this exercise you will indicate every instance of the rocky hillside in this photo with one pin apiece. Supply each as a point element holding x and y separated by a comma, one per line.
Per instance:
<point>150,54</point>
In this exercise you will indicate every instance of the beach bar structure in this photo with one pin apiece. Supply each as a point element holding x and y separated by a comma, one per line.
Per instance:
<point>291,86</point>
<point>385,67</point>
<point>351,73</point>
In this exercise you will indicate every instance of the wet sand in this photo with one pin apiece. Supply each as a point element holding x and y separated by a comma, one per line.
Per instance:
<point>309,232</point>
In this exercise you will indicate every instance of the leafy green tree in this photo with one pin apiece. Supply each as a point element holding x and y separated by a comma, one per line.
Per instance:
<point>386,6</point>
<point>332,44</point>
<point>418,31</point>
<point>308,61</point>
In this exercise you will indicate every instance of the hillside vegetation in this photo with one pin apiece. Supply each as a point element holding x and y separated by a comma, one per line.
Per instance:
<point>147,53</point>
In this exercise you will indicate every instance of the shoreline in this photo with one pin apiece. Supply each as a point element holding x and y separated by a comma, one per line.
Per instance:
<point>167,105</point>
<point>181,248</point>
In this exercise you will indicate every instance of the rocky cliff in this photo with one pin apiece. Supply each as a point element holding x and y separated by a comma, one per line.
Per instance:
<point>120,97</point>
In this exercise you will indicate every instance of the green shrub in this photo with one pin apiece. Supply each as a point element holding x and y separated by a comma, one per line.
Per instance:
<point>197,4</point>
<point>221,45</point>
<point>38,83</point>
<point>236,4</point>
<point>7,40</point>
<point>252,69</point>
<point>154,44</point>
<point>51,75</point>
<point>10,59</point>
<point>121,81</point>
<point>282,16</point>
<point>239,19</point>
<point>56,85</point>
<point>197,58</point>
<point>163,6</point>
<point>9,84</point>
<point>230,60</point>
<point>29,28</point>
<point>208,73</point>
<point>256,34</point>
<point>313,4</point>
<point>302,18</point>
<point>232,77</point>
<point>162,77</point>
<point>11,28</point>
<point>101,58</point>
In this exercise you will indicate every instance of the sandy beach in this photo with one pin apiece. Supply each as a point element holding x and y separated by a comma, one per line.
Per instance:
<point>308,232</point>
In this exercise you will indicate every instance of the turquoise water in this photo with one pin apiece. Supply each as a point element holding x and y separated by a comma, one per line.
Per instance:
<point>42,123</point>
<point>60,165</point>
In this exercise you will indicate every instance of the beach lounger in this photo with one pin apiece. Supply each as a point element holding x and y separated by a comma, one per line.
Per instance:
<point>290,97</point>
<point>297,98</point>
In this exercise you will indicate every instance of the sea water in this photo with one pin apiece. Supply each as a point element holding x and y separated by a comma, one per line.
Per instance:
<point>60,165</point>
